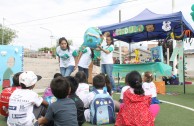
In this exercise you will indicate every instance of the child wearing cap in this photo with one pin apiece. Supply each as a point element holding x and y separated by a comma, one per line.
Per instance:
<point>22,101</point>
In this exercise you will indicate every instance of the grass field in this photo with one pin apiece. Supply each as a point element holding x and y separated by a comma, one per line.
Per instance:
<point>169,115</point>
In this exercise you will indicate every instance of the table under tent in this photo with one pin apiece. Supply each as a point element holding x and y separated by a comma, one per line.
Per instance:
<point>148,26</point>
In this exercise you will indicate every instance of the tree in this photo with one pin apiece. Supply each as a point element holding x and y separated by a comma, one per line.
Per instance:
<point>46,49</point>
<point>192,13</point>
<point>8,36</point>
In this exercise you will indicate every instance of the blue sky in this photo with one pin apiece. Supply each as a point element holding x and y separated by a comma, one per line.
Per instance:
<point>73,26</point>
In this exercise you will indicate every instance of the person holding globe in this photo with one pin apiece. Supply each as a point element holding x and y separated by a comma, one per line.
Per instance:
<point>107,59</point>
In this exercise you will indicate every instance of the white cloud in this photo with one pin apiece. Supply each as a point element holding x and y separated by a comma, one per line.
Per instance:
<point>72,26</point>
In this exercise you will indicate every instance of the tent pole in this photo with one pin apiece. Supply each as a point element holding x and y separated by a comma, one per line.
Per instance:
<point>168,56</point>
<point>120,41</point>
<point>183,60</point>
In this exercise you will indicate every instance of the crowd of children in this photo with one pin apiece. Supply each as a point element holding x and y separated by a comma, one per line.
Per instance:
<point>68,101</point>
<point>76,104</point>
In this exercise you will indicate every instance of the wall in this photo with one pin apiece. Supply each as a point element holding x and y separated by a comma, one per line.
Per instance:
<point>189,59</point>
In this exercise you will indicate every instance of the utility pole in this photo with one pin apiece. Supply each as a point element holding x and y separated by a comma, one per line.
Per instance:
<point>50,33</point>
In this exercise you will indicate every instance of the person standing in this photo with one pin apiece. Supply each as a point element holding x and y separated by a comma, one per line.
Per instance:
<point>107,59</point>
<point>67,55</point>
<point>84,60</point>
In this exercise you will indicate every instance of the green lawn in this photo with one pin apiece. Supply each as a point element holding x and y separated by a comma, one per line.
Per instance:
<point>169,115</point>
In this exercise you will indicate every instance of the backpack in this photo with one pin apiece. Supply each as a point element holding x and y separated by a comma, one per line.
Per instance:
<point>4,100</point>
<point>102,109</point>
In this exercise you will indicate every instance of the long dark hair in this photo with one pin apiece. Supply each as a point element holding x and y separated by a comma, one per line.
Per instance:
<point>134,80</point>
<point>64,39</point>
<point>92,53</point>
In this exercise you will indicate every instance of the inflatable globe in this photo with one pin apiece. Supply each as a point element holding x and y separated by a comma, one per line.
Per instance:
<point>92,37</point>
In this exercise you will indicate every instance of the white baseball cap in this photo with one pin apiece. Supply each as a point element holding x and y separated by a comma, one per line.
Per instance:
<point>28,78</point>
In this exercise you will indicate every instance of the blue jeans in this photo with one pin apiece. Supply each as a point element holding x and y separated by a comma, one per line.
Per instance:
<point>85,70</point>
<point>66,71</point>
<point>107,69</point>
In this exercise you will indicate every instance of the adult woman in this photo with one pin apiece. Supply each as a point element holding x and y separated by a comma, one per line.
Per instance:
<point>66,55</point>
<point>107,59</point>
<point>85,58</point>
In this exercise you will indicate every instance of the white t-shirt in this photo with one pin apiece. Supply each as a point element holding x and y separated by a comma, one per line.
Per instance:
<point>82,91</point>
<point>21,105</point>
<point>124,89</point>
<point>107,58</point>
<point>87,101</point>
<point>66,57</point>
<point>150,89</point>
<point>104,41</point>
<point>85,59</point>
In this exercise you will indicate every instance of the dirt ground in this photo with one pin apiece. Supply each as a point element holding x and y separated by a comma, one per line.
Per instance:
<point>46,68</point>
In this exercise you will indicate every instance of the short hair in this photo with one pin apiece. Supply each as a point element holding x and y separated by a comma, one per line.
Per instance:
<point>148,76</point>
<point>99,81</point>
<point>73,84</point>
<point>57,75</point>
<point>60,87</point>
<point>107,81</point>
<point>81,77</point>
<point>23,86</point>
<point>16,79</point>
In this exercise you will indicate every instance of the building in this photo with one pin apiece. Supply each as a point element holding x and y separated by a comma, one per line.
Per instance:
<point>151,46</point>
<point>144,54</point>
<point>116,55</point>
<point>189,60</point>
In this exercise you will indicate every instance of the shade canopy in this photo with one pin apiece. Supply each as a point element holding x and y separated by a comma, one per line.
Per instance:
<point>134,29</point>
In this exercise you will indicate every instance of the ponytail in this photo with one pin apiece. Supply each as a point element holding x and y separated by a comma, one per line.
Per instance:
<point>138,88</point>
<point>134,80</point>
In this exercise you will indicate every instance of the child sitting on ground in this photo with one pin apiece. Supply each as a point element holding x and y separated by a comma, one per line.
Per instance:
<point>63,112</point>
<point>6,93</point>
<point>135,110</point>
<point>48,91</point>
<point>22,101</point>
<point>83,88</point>
<point>78,102</point>
<point>98,83</point>
<point>149,87</point>
<point>107,83</point>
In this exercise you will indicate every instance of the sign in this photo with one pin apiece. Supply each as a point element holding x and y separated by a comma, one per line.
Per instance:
<point>128,30</point>
<point>157,53</point>
<point>11,58</point>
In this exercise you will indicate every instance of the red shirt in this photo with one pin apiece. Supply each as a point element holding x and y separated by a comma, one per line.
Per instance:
<point>135,111</point>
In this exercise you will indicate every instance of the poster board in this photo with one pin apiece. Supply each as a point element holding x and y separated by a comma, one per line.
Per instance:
<point>157,53</point>
<point>11,62</point>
